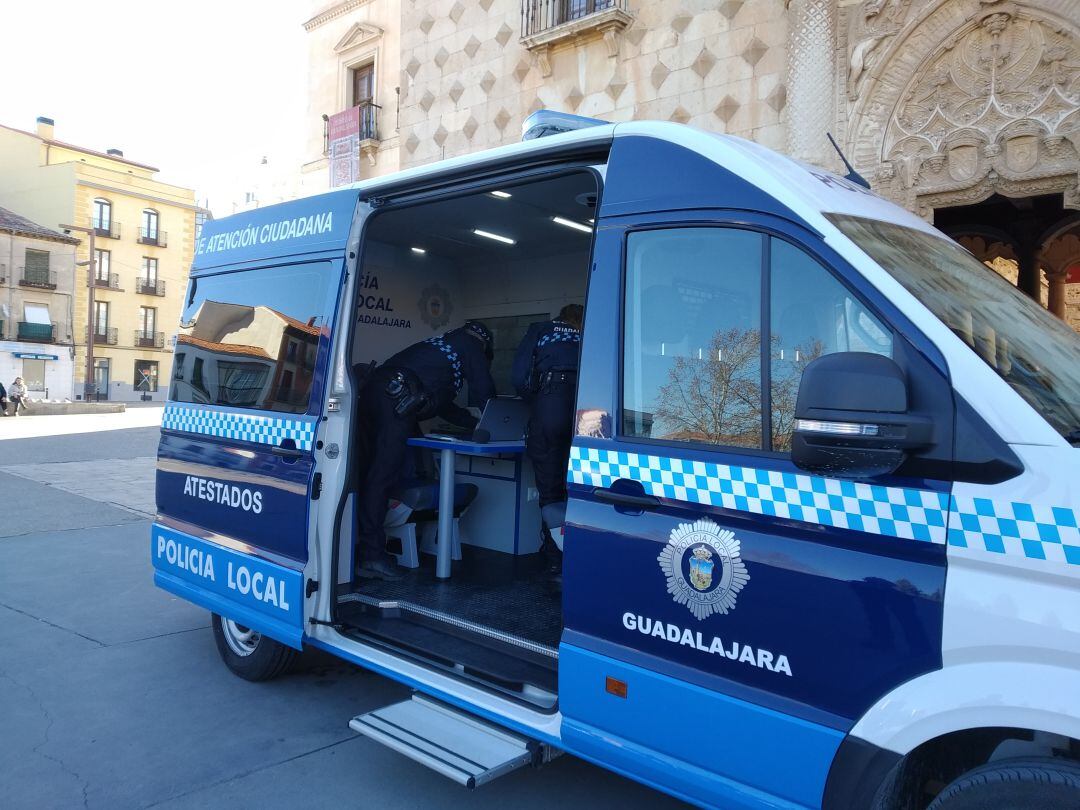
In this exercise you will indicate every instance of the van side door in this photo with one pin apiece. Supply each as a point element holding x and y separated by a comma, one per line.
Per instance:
<point>236,464</point>
<point>728,616</point>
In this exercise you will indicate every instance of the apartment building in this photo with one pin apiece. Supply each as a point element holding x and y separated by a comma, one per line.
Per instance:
<point>37,280</point>
<point>142,231</point>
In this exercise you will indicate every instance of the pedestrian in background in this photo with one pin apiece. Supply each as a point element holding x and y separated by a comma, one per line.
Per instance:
<point>17,396</point>
<point>3,400</point>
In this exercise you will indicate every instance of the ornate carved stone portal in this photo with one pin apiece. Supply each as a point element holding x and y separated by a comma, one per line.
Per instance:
<point>958,100</point>
<point>955,104</point>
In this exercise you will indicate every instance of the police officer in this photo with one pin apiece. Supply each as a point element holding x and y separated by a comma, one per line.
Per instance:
<point>417,383</point>
<point>545,374</point>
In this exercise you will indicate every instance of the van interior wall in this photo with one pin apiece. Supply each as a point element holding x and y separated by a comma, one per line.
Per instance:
<point>404,298</point>
<point>408,297</point>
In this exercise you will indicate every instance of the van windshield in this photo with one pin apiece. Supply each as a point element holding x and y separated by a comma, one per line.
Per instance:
<point>1033,351</point>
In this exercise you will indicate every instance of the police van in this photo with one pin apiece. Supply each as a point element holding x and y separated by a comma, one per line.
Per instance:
<point>821,544</point>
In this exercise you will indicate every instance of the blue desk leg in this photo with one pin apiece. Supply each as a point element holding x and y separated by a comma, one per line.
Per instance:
<point>446,514</point>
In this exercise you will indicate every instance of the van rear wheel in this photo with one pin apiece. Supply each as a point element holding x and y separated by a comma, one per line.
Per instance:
<point>248,653</point>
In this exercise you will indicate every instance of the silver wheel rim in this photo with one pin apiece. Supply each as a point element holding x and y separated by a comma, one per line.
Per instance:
<point>241,640</point>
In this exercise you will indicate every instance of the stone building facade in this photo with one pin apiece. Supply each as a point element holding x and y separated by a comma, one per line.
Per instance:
<point>965,111</point>
<point>144,241</point>
<point>37,289</point>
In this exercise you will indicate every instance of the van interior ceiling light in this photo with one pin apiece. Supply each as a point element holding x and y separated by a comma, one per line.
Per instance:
<point>569,223</point>
<point>419,250</point>
<point>502,195</point>
<point>506,240</point>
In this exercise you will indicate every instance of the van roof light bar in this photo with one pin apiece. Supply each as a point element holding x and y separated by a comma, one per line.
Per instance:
<point>552,122</point>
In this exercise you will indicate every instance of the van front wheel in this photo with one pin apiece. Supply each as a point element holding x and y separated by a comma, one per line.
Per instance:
<point>248,653</point>
<point>1019,784</point>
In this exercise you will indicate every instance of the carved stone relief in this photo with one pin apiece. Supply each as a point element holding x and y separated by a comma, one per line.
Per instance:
<point>959,101</point>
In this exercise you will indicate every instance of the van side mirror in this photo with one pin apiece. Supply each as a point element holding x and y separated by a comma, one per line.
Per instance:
<point>852,418</point>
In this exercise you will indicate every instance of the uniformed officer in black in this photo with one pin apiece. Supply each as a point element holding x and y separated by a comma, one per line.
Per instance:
<point>545,375</point>
<point>417,383</point>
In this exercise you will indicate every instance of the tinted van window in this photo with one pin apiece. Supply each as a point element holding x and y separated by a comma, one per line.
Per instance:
<point>692,367</point>
<point>250,339</point>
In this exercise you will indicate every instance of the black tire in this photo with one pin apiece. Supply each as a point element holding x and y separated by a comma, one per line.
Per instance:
<point>266,659</point>
<point>1015,784</point>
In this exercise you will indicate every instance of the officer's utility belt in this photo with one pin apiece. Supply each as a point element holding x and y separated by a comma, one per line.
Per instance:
<point>552,377</point>
<point>407,393</point>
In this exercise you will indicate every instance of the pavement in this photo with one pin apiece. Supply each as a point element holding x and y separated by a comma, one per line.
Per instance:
<point>112,694</point>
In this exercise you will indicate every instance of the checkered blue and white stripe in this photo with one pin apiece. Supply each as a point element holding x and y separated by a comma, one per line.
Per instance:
<point>559,337</point>
<point>452,356</point>
<point>248,427</point>
<point>914,514</point>
<point>996,526</point>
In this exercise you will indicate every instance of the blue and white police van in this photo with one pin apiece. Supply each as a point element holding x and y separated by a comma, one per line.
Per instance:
<point>821,544</point>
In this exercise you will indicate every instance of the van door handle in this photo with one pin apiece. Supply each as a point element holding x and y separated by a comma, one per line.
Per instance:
<point>286,452</point>
<point>626,499</point>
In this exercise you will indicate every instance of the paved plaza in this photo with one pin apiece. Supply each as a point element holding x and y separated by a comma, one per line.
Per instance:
<point>112,693</point>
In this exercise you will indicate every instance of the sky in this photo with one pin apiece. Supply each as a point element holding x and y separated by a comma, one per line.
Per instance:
<point>201,89</point>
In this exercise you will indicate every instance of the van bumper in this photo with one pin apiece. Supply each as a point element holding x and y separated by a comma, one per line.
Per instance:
<point>258,594</point>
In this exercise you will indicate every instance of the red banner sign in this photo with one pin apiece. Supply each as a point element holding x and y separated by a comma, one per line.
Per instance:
<point>344,147</point>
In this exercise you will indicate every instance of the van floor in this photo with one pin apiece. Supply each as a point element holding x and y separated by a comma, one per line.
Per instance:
<point>497,614</point>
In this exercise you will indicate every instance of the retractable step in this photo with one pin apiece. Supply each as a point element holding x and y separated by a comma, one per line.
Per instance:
<point>464,748</point>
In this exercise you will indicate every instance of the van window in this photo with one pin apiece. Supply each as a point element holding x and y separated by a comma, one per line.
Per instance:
<point>692,367</point>
<point>692,356</point>
<point>251,336</point>
<point>1034,352</point>
<point>811,314</point>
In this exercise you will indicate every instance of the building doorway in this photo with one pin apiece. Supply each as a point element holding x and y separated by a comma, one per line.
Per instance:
<point>1034,242</point>
<point>101,377</point>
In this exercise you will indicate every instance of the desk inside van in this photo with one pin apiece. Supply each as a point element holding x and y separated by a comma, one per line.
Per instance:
<point>501,518</point>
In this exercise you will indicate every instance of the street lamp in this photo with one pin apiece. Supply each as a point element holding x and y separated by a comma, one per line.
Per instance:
<point>90,384</point>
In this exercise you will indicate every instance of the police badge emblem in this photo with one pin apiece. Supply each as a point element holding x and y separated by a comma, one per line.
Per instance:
<point>435,306</point>
<point>703,568</point>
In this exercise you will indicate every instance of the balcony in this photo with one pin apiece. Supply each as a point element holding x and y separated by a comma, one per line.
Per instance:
<point>105,337</point>
<point>36,332</point>
<point>149,340</point>
<point>361,122</point>
<point>108,229</point>
<point>38,279</point>
<point>147,286</point>
<point>109,282</point>
<point>547,22</point>
<point>153,236</point>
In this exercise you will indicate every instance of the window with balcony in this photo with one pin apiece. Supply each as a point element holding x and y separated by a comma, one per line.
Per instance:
<point>102,266</point>
<point>148,281</point>
<point>149,232</point>
<point>103,333</point>
<point>36,271</point>
<point>36,325</point>
<point>101,219</point>
<point>546,22</point>
<point>147,336</point>
<point>362,86</point>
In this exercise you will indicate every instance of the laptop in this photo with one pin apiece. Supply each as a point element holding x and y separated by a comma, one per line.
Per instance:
<point>504,419</point>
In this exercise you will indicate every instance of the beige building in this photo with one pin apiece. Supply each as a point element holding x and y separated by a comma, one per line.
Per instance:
<point>144,233</point>
<point>354,50</point>
<point>965,111</point>
<point>37,285</point>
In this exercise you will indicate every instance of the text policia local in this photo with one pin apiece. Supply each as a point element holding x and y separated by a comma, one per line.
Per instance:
<point>264,587</point>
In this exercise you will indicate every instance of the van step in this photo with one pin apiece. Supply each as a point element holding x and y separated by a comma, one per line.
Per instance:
<point>467,749</point>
